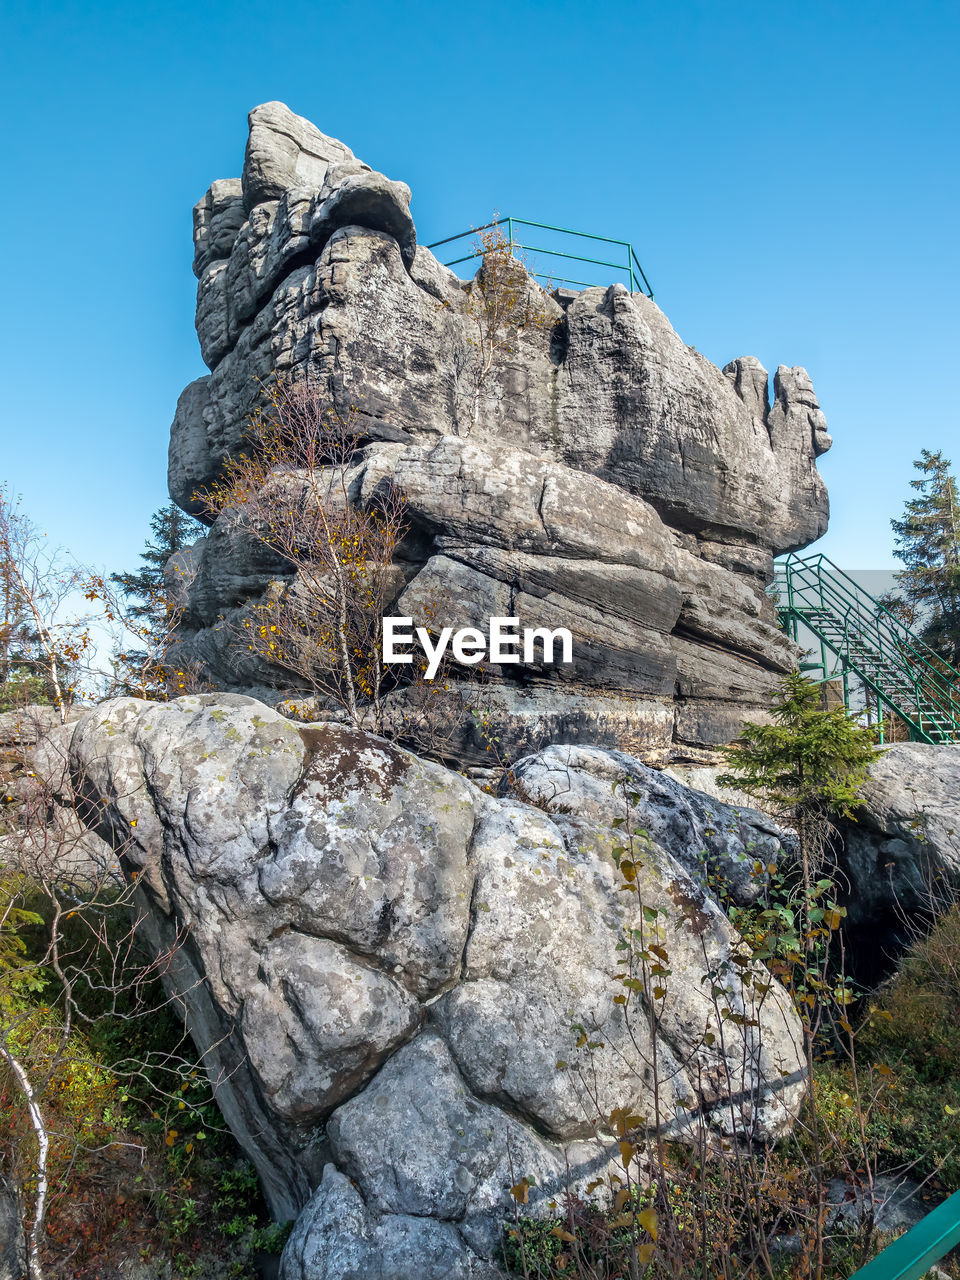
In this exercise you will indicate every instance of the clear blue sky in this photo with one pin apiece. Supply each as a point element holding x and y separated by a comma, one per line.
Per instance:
<point>788,172</point>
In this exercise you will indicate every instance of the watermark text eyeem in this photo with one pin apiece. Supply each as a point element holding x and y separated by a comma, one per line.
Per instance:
<point>503,643</point>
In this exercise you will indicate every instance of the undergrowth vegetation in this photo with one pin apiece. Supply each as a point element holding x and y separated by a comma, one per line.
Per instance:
<point>109,1131</point>
<point>910,1030</point>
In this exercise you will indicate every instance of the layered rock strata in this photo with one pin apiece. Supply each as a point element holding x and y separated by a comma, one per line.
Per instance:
<point>600,474</point>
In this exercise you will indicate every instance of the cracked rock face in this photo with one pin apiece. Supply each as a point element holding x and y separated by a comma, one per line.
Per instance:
<point>389,970</point>
<point>902,856</point>
<point>602,475</point>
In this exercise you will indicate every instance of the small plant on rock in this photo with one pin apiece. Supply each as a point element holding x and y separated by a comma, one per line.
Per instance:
<point>504,302</point>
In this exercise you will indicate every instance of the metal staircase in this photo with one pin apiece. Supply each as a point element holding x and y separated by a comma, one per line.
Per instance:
<point>863,644</point>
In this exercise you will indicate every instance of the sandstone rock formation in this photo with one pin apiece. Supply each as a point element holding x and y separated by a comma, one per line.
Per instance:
<point>41,833</point>
<point>902,856</point>
<point>601,474</point>
<point>405,989</point>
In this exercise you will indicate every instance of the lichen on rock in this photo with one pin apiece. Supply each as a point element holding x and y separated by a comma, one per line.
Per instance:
<point>398,979</point>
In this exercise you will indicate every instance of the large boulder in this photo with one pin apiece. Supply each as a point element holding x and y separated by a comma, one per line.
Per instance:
<point>596,469</point>
<point>409,993</point>
<point>902,855</point>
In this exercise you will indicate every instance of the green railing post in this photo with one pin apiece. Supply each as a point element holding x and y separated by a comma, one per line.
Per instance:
<point>912,1256</point>
<point>899,674</point>
<point>636,277</point>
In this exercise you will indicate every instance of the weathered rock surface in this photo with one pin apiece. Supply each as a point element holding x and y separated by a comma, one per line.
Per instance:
<point>13,1248</point>
<point>703,833</point>
<point>43,835</point>
<point>25,727</point>
<point>902,856</point>
<point>337,1236</point>
<point>389,970</point>
<point>898,862</point>
<point>601,474</point>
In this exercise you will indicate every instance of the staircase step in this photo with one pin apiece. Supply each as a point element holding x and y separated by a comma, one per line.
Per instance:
<point>869,646</point>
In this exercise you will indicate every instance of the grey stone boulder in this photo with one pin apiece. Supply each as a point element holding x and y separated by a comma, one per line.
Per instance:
<point>338,1237</point>
<point>892,1203</point>
<point>421,1142</point>
<point>53,845</point>
<point>397,979</point>
<point>368,200</point>
<point>48,763</point>
<point>703,833</point>
<point>44,836</point>
<point>896,1203</point>
<point>217,218</point>
<point>189,458</point>
<point>26,726</point>
<point>902,855</point>
<point>551,878</point>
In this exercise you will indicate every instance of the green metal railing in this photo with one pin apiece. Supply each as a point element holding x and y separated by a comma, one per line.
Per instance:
<point>635,279</point>
<point>860,640</point>
<point>912,1256</point>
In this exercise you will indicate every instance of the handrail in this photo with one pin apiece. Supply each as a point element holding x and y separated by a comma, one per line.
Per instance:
<point>875,613</point>
<point>860,599</point>
<point>904,674</point>
<point>893,702</point>
<point>912,1255</point>
<point>921,673</point>
<point>876,607</point>
<point>631,267</point>
<point>643,275</point>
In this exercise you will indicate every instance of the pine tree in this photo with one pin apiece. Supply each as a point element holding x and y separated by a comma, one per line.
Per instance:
<point>151,612</point>
<point>172,531</point>
<point>928,543</point>
<point>808,766</point>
